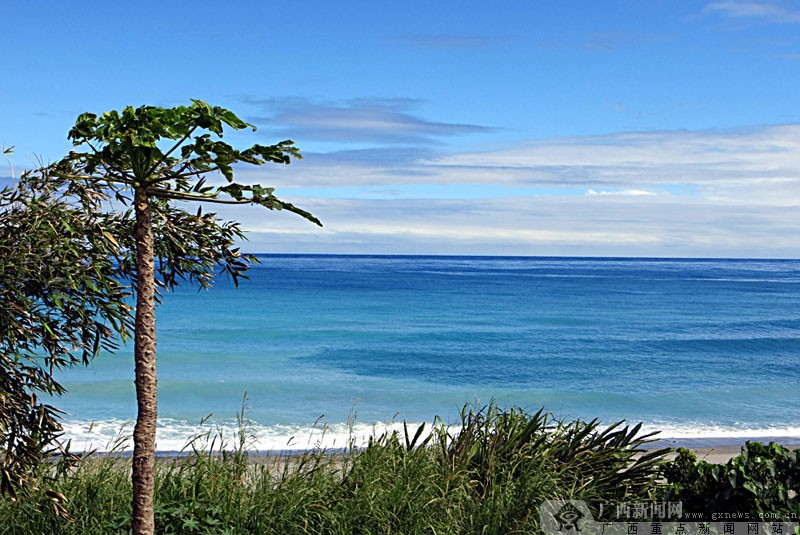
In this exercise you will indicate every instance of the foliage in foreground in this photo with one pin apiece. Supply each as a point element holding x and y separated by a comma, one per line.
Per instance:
<point>60,302</point>
<point>763,479</point>
<point>65,269</point>
<point>488,475</point>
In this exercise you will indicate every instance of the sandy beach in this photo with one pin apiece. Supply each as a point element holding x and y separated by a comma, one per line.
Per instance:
<point>714,455</point>
<point>722,454</point>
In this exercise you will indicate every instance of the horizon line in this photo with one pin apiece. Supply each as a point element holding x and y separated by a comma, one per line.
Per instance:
<point>523,257</point>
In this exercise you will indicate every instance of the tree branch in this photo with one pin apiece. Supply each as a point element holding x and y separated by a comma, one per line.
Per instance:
<point>183,196</point>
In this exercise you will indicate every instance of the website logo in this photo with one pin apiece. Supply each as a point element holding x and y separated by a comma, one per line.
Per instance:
<point>566,517</point>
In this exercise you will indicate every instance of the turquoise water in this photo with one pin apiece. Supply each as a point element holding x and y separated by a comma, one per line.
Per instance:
<point>705,349</point>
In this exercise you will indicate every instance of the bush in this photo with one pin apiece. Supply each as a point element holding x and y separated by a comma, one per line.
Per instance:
<point>763,479</point>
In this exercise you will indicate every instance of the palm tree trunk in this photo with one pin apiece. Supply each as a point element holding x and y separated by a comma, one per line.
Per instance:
<point>144,434</point>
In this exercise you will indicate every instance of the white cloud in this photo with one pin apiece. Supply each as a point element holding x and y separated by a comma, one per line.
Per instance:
<point>676,193</point>
<point>579,225</point>
<point>624,192</point>
<point>383,121</point>
<point>759,163</point>
<point>681,193</point>
<point>765,11</point>
<point>649,157</point>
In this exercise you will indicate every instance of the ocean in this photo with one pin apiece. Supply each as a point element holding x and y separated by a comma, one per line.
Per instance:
<point>329,349</point>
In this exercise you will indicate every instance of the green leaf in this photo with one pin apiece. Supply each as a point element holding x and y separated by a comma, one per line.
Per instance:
<point>750,486</point>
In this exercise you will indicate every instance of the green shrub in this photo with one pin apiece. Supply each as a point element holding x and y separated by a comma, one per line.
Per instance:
<point>516,460</point>
<point>763,479</point>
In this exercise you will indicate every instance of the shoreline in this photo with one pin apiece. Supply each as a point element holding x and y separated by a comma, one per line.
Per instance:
<point>294,439</point>
<point>720,451</point>
<point>714,454</point>
<point>704,442</point>
<point>722,454</point>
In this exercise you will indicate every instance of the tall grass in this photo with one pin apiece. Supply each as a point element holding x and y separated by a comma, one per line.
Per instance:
<point>487,475</point>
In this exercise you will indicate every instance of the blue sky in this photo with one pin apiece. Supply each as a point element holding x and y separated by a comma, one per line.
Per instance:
<point>524,128</point>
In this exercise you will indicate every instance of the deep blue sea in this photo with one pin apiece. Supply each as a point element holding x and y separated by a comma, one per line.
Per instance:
<point>704,350</point>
